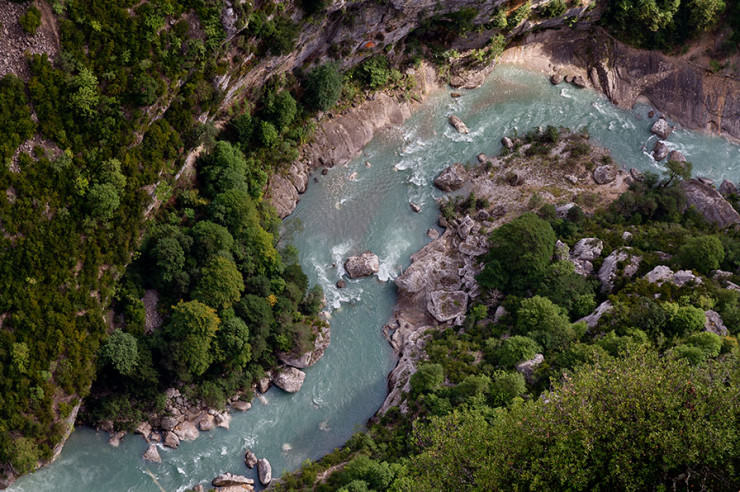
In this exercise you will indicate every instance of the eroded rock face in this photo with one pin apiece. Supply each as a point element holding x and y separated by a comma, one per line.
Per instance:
<point>610,267</point>
<point>446,306</point>
<point>714,324</point>
<point>265,471</point>
<point>710,203</point>
<point>363,265</point>
<point>451,178</point>
<point>289,379</point>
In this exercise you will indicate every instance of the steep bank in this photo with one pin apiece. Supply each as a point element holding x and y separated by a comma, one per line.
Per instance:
<point>685,92</point>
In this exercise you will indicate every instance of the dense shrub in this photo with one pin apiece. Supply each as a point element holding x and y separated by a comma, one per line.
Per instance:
<point>31,20</point>
<point>704,253</point>
<point>323,86</point>
<point>515,349</point>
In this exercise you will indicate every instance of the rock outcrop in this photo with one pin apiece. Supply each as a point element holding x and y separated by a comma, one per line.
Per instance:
<point>458,124</point>
<point>289,379</point>
<point>610,268</point>
<point>584,252</point>
<point>727,188</point>
<point>661,274</point>
<point>528,367</point>
<point>362,265</point>
<point>710,203</point>
<point>605,174</point>
<point>714,323</point>
<point>231,480</point>
<point>593,319</point>
<point>448,306</point>
<point>451,178</point>
<point>321,342</point>
<point>152,454</point>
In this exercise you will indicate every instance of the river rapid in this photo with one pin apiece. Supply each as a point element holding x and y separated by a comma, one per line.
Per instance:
<point>358,207</point>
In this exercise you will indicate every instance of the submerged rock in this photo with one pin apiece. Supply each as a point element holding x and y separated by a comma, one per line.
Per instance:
<point>451,178</point>
<point>265,471</point>
<point>152,454</point>
<point>341,284</point>
<point>289,379</point>
<point>415,207</point>
<point>458,124</point>
<point>363,265</point>
<point>661,128</point>
<point>556,79</point>
<point>578,81</point>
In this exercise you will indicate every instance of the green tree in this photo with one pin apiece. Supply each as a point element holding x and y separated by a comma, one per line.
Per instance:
<point>323,86</point>
<point>121,352</point>
<point>519,255</point>
<point>31,20</point>
<point>702,253</point>
<point>220,284</point>
<point>223,169</point>
<point>210,238</point>
<point>168,258</point>
<point>85,98</point>
<point>24,455</point>
<point>705,13</point>
<point>280,109</point>
<point>687,319</point>
<point>506,386</point>
<point>515,349</point>
<point>103,200</point>
<point>267,134</point>
<point>428,377</point>
<point>544,321</point>
<point>233,343</point>
<point>191,331</point>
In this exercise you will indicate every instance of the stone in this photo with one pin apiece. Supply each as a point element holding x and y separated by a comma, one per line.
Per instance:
<point>458,124</point>
<point>152,454</point>
<point>415,207</point>
<point>705,180</point>
<point>186,431</point>
<point>115,438</point>
<point>515,179</point>
<point>714,324</point>
<point>465,227</point>
<point>250,459</point>
<point>500,313</point>
<point>721,275</point>
<point>661,128</point>
<point>626,236</point>
<point>507,142</point>
<point>727,188</point>
<point>710,203</point>
<point>661,274</point>
<point>223,420</point>
<point>241,405</point>
<point>636,174</point>
<point>593,319</point>
<point>562,251</point>
<point>562,210</point>
<point>155,437</point>
<point>578,81</point>
<point>482,157</point>
<point>171,440</point>
<point>265,471</point>
<point>289,379</point>
<point>451,178</point>
<point>605,174</point>
<point>651,114</point>
<point>455,95</point>
<point>432,234</point>
<point>144,428</point>
<point>341,284</point>
<point>263,384</point>
<point>571,179</point>
<point>207,423</point>
<point>527,367</point>
<point>167,423</point>
<point>588,248</point>
<point>556,79</point>
<point>447,305</point>
<point>362,265</point>
<point>324,172</point>
<point>609,268</point>
<point>230,480</point>
<point>676,156</point>
<point>660,151</point>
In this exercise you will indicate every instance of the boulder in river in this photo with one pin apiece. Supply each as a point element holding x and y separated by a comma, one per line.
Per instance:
<point>661,128</point>
<point>171,440</point>
<point>231,480</point>
<point>578,81</point>
<point>660,151</point>
<point>556,79</point>
<point>250,459</point>
<point>341,284</point>
<point>186,431</point>
<point>451,178</point>
<point>363,265</point>
<point>605,174</point>
<point>152,454</point>
<point>264,470</point>
<point>207,423</point>
<point>676,156</point>
<point>241,405</point>
<point>289,379</point>
<point>263,384</point>
<point>415,207</point>
<point>710,203</point>
<point>458,124</point>
<point>507,142</point>
<point>432,234</point>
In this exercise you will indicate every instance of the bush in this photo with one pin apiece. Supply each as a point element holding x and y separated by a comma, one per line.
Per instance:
<point>546,322</point>
<point>267,134</point>
<point>428,377</point>
<point>703,253</point>
<point>554,8</point>
<point>280,109</point>
<point>121,352</point>
<point>506,386</point>
<point>688,319</point>
<point>31,20</point>
<point>375,72</point>
<point>323,86</point>
<point>516,349</point>
<point>521,251</point>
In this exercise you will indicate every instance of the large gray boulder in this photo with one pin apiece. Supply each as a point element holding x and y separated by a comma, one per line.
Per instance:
<point>171,440</point>
<point>676,156</point>
<point>231,480</point>
<point>610,267</point>
<point>527,367</point>
<point>447,305</point>
<point>584,252</point>
<point>152,454</point>
<point>727,188</point>
<point>660,151</point>
<point>710,203</point>
<point>661,128</point>
<point>289,379</point>
<point>250,459</point>
<point>458,124</point>
<point>363,265</point>
<point>605,174</point>
<point>661,274</point>
<point>186,431</point>
<point>451,178</point>
<point>593,319</point>
<point>265,471</point>
<point>714,324</point>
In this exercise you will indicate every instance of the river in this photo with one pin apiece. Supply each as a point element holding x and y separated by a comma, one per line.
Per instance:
<point>352,209</point>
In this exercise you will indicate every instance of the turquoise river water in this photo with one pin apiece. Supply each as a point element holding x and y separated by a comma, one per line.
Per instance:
<point>352,209</point>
